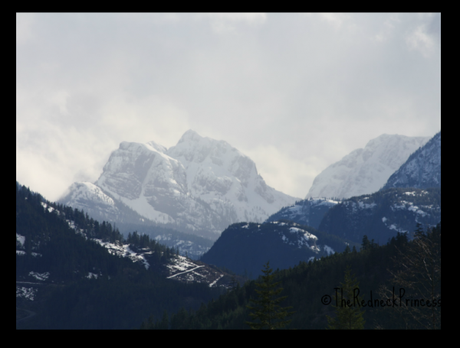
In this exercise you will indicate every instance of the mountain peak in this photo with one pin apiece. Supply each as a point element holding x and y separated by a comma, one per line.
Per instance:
<point>190,135</point>
<point>157,147</point>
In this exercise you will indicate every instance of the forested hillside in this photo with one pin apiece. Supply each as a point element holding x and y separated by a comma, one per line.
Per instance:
<point>245,247</point>
<point>400,284</point>
<point>67,280</point>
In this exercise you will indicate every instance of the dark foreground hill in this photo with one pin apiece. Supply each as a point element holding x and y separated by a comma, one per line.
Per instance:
<point>400,284</point>
<point>244,247</point>
<point>66,278</point>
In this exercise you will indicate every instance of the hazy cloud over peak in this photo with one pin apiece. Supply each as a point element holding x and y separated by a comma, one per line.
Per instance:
<point>295,92</point>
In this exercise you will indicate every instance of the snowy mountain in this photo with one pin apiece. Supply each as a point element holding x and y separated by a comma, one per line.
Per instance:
<point>87,196</point>
<point>422,169</point>
<point>200,186</point>
<point>366,170</point>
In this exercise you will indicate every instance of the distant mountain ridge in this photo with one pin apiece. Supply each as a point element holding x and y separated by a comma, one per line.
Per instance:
<point>305,212</point>
<point>383,214</point>
<point>411,195</point>
<point>364,171</point>
<point>422,169</point>
<point>199,186</point>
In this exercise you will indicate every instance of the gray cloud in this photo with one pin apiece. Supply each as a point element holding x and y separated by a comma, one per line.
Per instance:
<point>296,92</point>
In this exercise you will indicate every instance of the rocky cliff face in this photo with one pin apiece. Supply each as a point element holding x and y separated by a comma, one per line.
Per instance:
<point>366,170</point>
<point>201,185</point>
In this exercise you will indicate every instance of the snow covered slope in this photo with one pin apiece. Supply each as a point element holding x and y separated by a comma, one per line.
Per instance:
<point>365,171</point>
<point>422,169</point>
<point>226,179</point>
<point>87,196</point>
<point>201,185</point>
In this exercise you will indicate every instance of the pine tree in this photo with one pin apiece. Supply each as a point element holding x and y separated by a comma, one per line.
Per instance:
<point>418,278</point>
<point>349,312</point>
<point>267,312</point>
<point>366,243</point>
<point>164,324</point>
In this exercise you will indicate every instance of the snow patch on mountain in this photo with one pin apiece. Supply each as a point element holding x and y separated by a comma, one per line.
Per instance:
<point>329,250</point>
<point>393,226</point>
<point>39,276</point>
<point>124,250</point>
<point>26,292</point>
<point>305,212</point>
<point>20,241</point>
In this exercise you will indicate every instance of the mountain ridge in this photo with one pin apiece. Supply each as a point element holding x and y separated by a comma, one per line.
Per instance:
<point>383,214</point>
<point>422,169</point>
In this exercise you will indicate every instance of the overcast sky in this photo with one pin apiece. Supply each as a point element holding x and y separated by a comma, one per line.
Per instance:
<point>294,92</point>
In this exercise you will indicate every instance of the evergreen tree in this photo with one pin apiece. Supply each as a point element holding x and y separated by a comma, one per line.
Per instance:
<point>366,243</point>
<point>164,323</point>
<point>419,279</point>
<point>349,313</point>
<point>267,312</point>
<point>148,325</point>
